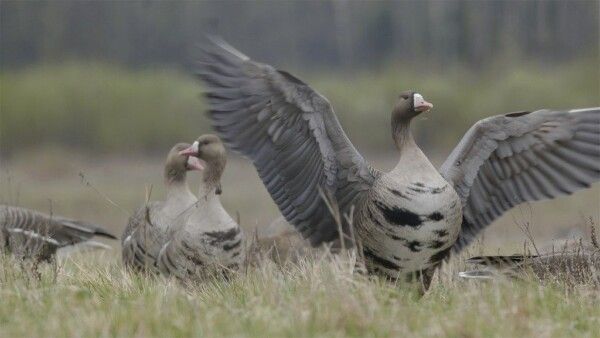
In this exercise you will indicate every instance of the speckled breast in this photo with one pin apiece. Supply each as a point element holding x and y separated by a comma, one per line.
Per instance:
<point>408,225</point>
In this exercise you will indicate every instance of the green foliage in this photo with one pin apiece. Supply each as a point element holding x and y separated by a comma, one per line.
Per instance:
<point>105,108</point>
<point>98,107</point>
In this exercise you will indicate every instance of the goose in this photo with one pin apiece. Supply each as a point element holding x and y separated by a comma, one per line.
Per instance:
<point>35,235</point>
<point>209,241</point>
<point>575,261</point>
<point>148,228</point>
<point>408,220</point>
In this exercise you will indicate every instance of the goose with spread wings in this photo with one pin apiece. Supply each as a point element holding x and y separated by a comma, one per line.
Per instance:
<point>409,219</point>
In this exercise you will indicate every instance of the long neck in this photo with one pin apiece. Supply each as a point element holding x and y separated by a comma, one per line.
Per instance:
<point>208,190</point>
<point>177,187</point>
<point>412,161</point>
<point>403,136</point>
<point>210,186</point>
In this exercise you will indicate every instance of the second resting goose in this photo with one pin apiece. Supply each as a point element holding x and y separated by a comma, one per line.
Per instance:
<point>409,219</point>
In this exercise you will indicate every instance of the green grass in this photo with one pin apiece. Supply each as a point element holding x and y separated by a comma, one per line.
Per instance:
<point>106,108</point>
<point>92,296</point>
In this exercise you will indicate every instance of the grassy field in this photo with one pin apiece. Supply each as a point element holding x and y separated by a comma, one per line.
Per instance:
<point>90,294</point>
<point>87,140</point>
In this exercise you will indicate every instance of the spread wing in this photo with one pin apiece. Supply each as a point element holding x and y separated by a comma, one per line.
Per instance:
<point>506,160</point>
<point>290,133</point>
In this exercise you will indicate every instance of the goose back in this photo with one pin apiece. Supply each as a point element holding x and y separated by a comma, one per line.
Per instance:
<point>32,234</point>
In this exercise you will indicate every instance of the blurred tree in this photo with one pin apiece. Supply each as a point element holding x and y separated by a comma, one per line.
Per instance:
<point>317,34</point>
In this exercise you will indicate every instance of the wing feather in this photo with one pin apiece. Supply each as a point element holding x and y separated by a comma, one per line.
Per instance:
<point>506,160</point>
<point>290,133</point>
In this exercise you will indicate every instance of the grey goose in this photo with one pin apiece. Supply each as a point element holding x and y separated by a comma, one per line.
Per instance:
<point>573,262</point>
<point>209,242</point>
<point>409,219</point>
<point>31,234</point>
<point>148,228</point>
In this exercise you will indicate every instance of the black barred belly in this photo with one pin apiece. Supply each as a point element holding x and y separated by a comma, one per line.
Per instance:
<point>408,229</point>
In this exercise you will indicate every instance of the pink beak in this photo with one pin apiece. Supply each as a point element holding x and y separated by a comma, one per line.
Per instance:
<point>191,151</point>
<point>420,104</point>
<point>423,106</point>
<point>194,163</point>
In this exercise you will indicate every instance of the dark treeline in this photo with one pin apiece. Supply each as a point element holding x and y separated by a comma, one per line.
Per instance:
<point>316,34</point>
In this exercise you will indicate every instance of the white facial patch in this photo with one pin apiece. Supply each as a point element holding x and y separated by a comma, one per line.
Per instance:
<point>418,100</point>
<point>195,146</point>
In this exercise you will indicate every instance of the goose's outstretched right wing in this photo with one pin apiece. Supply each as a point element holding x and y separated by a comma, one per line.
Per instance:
<point>290,133</point>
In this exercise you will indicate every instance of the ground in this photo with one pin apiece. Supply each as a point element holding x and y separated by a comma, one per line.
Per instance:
<point>90,295</point>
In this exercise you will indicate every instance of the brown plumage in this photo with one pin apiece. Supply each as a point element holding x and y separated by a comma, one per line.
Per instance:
<point>149,228</point>
<point>209,241</point>
<point>32,234</point>
<point>575,262</point>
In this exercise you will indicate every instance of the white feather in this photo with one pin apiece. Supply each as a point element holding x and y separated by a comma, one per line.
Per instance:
<point>33,234</point>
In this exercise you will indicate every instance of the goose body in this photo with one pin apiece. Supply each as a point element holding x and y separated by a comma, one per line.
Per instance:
<point>209,241</point>
<point>148,229</point>
<point>31,234</point>
<point>408,220</point>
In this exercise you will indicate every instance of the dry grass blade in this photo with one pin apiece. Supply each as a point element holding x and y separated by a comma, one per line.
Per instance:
<point>87,183</point>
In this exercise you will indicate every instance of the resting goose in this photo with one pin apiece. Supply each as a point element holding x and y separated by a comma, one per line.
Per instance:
<point>409,219</point>
<point>31,234</point>
<point>575,262</point>
<point>149,227</point>
<point>210,240</point>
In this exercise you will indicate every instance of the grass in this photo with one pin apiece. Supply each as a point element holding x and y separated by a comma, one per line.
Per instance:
<point>91,295</point>
<point>83,112</point>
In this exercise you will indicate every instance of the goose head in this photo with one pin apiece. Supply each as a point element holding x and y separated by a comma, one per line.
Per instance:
<point>210,150</point>
<point>409,105</point>
<point>178,164</point>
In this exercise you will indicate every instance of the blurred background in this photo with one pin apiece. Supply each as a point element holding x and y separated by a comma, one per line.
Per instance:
<point>94,94</point>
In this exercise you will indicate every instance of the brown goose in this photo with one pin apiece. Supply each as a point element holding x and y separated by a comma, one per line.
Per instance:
<point>148,229</point>
<point>410,218</point>
<point>32,234</point>
<point>575,262</point>
<point>210,240</point>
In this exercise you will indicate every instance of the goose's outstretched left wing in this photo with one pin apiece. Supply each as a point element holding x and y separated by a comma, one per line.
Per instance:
<point>509,159</point>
